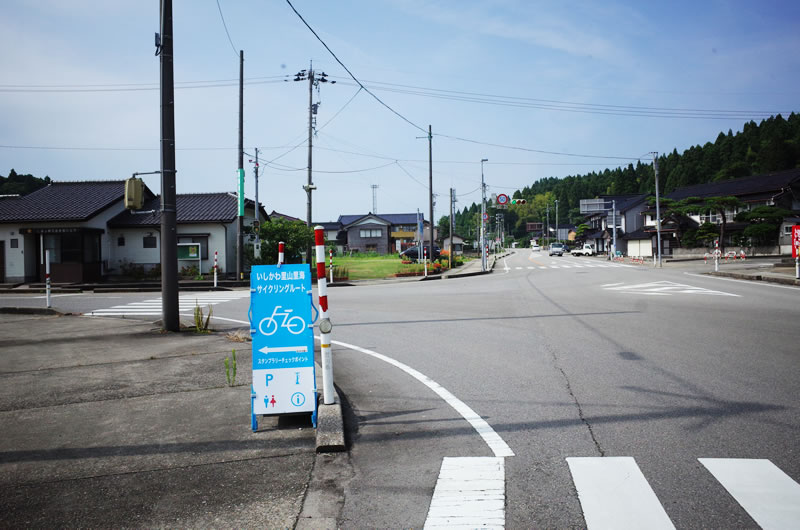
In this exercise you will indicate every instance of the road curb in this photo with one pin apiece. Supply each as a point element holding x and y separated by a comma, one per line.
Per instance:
<point>31,311</point>
<point>756,277</point>
<point>330,426</point>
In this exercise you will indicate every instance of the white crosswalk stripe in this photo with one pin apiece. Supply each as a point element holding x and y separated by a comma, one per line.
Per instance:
<point>614,492</point>
<point>768,494</point>
<point>186,302</point>
<point>469,493</point>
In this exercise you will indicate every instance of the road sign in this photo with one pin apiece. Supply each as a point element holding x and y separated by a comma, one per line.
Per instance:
<point>795,241</point>
<point>502,199</point>
<point>283,341</point>
<point>486,217</point>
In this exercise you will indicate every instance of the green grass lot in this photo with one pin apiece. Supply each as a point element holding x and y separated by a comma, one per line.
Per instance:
<point>372,267</point>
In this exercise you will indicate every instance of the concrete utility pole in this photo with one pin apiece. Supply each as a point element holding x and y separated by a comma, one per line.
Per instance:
<point>452,225</point>
<point>483,223</point>
<point>313,81</point>
<point>430,185</point>
<point>258,218</point>
<point>548,224</point>
<point>658,208</point>
<point>557,238</point>
<point>240,218</point>
<point>614,228</point>
<point>169,237</point>
<point>374,198</point>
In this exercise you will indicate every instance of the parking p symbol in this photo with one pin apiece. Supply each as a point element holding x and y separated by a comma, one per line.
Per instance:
<point>269,378</point>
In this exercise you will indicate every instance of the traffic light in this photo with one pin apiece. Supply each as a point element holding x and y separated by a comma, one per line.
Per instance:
<point>518,201</point>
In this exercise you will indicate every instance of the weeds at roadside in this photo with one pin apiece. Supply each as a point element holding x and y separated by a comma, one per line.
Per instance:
<point>199,325</point>
<point>230,369</point>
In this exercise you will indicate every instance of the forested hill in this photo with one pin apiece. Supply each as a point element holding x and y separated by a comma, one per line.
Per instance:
<point>772,145</point>
<point>16,184</point>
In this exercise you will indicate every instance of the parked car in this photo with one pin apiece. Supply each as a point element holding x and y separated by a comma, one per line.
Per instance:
<point>535,247</point>
<point>585,250</point>
<point>413,252</point>
<point>557,249</point>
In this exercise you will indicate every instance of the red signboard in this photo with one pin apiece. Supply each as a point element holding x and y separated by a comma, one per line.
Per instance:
<point>795,240</point>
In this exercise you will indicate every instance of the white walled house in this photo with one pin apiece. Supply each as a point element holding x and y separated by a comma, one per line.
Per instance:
<point>91,236</point>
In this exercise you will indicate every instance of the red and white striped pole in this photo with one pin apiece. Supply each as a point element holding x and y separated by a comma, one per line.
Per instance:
<point>281,247</point>
<point>47,275</point>
<point>716,255</point>
<point>425,260</point>
<point>330,263</point>
<point>324,320</point>
<point>215,269</point>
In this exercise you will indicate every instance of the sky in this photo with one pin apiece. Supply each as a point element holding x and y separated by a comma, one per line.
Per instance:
<point>539,88</point>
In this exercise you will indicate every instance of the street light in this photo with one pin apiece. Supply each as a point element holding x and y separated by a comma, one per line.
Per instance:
<point>483,214</point>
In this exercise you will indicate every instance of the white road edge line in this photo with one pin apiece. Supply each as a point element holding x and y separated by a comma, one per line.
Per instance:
<point>492,439</point>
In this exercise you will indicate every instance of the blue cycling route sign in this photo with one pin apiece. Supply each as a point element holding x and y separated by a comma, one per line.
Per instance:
<point>283,339</point>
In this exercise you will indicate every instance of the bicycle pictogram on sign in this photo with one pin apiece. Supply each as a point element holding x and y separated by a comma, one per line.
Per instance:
<point>295,324</point>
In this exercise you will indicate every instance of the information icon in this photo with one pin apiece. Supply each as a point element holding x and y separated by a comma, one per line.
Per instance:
<point>298,398</point>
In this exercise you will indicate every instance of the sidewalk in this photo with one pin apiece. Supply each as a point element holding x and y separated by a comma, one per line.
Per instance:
<point>112,423</point>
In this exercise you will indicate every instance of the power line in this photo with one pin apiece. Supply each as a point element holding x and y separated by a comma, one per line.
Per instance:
<point>226,30</point>
<point>536,150</point>
<point>132,88</point>
<point>571,106</point>
<point>351,73</point>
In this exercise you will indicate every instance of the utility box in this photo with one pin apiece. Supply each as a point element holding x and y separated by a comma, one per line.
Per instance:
<point>134,193</point>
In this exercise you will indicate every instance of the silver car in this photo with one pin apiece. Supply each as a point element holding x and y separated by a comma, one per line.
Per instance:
<point>556,248</point>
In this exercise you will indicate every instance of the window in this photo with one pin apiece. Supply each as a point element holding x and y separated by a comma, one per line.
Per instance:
<point>120,241</point>
<point>71,249</point>
<point>787,230</point>
<point>709,217</point>
<point>15,243</point>
<point>149,242</point>
<point>373,232</point>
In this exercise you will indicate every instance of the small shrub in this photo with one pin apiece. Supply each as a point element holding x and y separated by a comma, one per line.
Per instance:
<point>189,271</point>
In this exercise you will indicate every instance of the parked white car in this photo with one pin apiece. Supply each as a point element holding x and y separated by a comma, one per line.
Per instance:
<point>535,248</point>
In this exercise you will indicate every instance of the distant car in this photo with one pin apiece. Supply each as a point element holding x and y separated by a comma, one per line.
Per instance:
<point>413,252</point>
<point>557,249</point>
<point>535,248</point>
<point>587,249</point>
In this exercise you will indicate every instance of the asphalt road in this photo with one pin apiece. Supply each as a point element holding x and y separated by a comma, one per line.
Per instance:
<point>562,358</point>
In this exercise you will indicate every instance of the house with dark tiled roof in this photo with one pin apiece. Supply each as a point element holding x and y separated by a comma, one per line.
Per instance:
<point>90,235</point>
<point>600,216</point>
<point>384,233</point>
<point>780,189</point>
<point>208,219</point>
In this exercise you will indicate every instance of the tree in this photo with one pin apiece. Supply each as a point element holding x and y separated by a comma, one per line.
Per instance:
<point>765,222</point>
<point>443,227</point>
<point>295,234</point>
<point>16,184</point>
<point>581,230</point>
<point>716,205</point>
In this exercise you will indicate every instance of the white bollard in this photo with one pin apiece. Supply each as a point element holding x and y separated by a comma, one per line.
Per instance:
<point>324,321</point>
<point>425,260</point>
<point>281,247</point>
<point>330,252</point>
<point>47,276</point>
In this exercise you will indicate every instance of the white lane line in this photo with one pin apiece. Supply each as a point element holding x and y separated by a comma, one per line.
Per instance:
<point>542,267</point>
<point>553,266</point>
<point>768,494</point>
<point>614,494</point>
<point>751,282</point>
<point>469,493</point>
<point>518,268</point>
<point>492,439</point>
<point>612,284</point>
<point>531,268</point>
